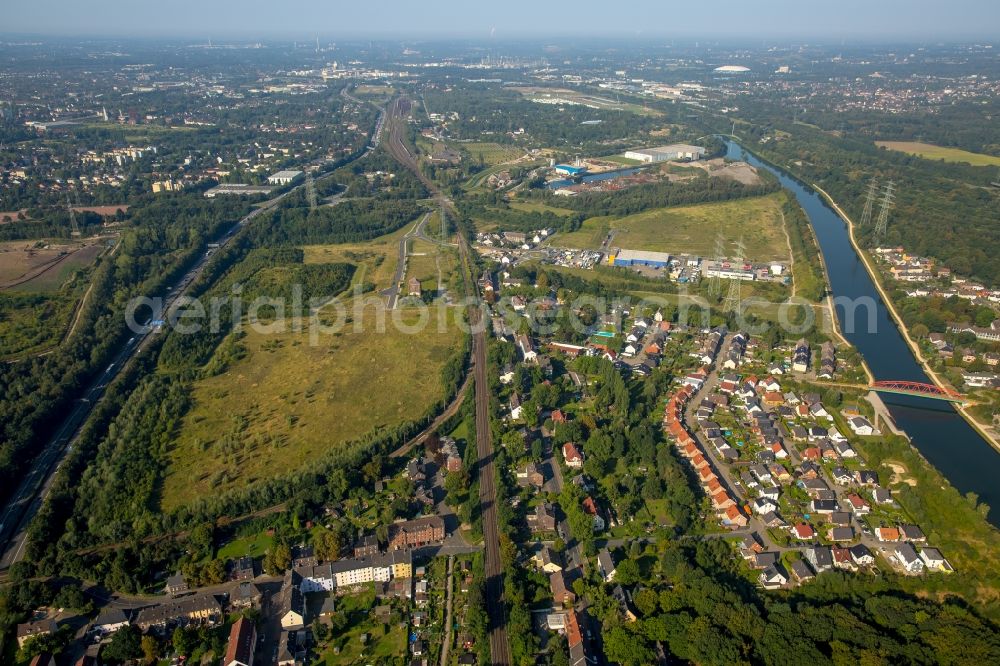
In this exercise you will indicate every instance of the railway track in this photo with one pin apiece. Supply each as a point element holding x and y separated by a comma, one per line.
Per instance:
<point>499,643</point>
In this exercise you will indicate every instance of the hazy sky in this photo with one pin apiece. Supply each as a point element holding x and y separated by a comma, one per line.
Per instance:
<point>885,20</point>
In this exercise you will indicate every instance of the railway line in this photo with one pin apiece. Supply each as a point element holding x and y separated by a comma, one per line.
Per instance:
<point>499,643</point>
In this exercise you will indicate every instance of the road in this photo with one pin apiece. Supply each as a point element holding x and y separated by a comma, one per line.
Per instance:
<point>392,293</point>
<point>37,483</point>
<point>499,645</point>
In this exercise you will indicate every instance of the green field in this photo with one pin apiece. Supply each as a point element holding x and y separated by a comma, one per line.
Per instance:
<point>931,152</point>
<point>693,229</point>
<point>31,323</point>
<point>287,402</point>
<point>428,262</point>
<point>491,153</point>
<point>253,546</point>
<point>376,259</point>
<point>621,159</point>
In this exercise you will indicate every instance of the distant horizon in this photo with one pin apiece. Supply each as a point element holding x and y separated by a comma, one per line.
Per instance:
<point>404,38</point>
<point>862,21</point>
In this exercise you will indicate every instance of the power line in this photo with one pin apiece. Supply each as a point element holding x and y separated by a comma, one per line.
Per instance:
<point>888,201</point>
<point>866,216</point>
<point>733,301</point>
<point>714,284</point>
<point>310,190</point>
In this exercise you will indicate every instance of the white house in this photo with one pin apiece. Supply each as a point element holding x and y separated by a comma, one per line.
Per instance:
<point>861,426</point>
<point>771,578</point>
<point>933,559</point>
<point>908,558</point>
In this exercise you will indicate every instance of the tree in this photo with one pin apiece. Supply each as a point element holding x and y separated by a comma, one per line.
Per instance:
<point>920,331</point>
<point>71,596</point>
<point>326,545</point>
<point>125,644</point>
<point>985,317</point>
<point>150,648</point>
<point>182,641</point>
<point>627,572</point>
<point>278,559</point>
<point>627,648</point>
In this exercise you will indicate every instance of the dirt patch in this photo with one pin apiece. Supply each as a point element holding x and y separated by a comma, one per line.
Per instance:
<point>741,172</point>
<point>23,262</point>
<point>900,474</point>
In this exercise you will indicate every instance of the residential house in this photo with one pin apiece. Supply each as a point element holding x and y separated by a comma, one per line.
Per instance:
<point>198,608</point>
<point>801,571</point>
<point>934,560</point>
<point>561,594</point>
<point>606,565</point>
<point>242,643</point>
<point>109,620</point>
<point>527,348</point>
<point>176,585</point>
<point>802,531</point>
<point>572,455</point>
<point>530,475</point>
<point>546,560</point>
<point>415,533</point>
<point>861,426</point>
<point>820,557</point>
<point>772,578</point>
<point>29,630</point>
<point>291,604</point>
<point>515,406</point>
<point>861,555</point>
<point>908,559</point>
<point>242,568</point>
<point>590,508</point>
<point>887,534</point>
<point>544,517</point>
<point>912,533</point>
<point>246,595</point>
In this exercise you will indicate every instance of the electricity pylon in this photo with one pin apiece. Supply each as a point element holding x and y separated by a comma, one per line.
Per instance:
<point>866,216</point>
<point>888,200</point>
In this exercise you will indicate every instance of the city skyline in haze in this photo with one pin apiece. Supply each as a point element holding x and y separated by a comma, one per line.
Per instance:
<point>886,21</point>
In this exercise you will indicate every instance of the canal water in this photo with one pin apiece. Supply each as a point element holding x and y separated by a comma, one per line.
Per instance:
<point>936,429</point>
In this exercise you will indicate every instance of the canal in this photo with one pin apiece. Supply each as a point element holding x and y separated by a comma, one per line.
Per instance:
<point>937,431</point>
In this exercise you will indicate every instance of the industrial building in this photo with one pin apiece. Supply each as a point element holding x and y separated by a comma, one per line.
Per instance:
<point>675,151</point>
<point>283,177</point>
<point>568,170</point>
<point>730,271</point>
<point>629,258</point>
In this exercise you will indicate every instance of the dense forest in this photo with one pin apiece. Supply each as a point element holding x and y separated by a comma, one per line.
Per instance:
<point>349,222</point>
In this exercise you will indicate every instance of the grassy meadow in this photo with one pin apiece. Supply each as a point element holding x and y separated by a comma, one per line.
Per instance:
<point>693,229</point>
<point>287,402</point>
<point>929,151</point>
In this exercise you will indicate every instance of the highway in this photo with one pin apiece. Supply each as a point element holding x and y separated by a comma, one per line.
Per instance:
<point>35,487</point>
<point>37,483</point>
<point>499,645</point>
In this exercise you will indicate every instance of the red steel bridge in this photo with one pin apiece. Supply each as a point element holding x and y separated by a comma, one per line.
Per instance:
<point>918,389</point>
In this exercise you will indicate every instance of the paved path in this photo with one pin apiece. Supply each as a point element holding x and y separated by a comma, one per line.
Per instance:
<point>446,640</point>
